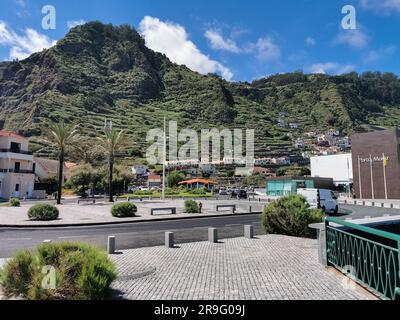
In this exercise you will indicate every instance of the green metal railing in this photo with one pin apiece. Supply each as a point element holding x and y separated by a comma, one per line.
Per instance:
<point>371,256</point>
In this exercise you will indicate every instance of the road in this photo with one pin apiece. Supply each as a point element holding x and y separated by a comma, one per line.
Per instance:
<point>148,234</point>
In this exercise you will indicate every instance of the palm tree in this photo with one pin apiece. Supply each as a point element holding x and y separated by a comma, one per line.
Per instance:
<point>110,143</point>
<point>61,136</point>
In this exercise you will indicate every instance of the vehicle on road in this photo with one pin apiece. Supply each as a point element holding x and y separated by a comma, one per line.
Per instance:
<point>324,199</point>
<point>239,194</point>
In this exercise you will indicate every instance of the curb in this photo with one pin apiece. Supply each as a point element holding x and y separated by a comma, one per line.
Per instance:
<point>68,225</point>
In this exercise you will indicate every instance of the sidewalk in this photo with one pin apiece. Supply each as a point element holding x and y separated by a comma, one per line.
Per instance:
<point>271,267</point>
<point>97,214</point>
<point>380,203</point>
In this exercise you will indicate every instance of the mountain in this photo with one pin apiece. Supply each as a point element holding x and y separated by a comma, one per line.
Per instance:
<point>103,71</point>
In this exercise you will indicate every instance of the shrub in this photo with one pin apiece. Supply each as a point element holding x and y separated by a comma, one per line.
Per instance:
<point>43,212</point>
<point>191,206</point>
<point>198,191</point>
<point>290,216</point>
<point>82,272</point>
<point>14,202</point>
<point>124,210</point>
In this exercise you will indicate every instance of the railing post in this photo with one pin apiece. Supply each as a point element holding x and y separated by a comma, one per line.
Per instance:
<point>323,239</point>
<point>397,290</point>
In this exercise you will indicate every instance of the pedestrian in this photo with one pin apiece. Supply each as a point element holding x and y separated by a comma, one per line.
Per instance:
<point>200,207</point>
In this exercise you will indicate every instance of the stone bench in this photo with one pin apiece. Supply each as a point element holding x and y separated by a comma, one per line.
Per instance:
<point>87,200</point>
<point>172,209</point>
<point>232,206</point>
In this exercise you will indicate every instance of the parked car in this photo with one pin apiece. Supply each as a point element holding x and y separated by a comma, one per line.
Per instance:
<point>321,198</point>
<point>239,193</point>
<point>223,192</point>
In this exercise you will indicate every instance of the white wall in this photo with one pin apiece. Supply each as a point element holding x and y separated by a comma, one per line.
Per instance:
<point>338,167</point>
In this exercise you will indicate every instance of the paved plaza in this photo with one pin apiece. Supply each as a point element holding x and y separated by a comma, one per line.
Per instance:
<point>268,268</point>
<point>74,214</point>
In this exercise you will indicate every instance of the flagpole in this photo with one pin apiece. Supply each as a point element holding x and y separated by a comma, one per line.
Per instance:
<point>372,177</point>
<point>359,176</point>
<point>384,175</point>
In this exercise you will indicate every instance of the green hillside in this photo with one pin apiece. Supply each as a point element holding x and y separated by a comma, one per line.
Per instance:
<point>101,71</point>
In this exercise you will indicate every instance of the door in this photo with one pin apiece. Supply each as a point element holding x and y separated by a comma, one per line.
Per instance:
<point>17,190</point>
<point>17,167</point>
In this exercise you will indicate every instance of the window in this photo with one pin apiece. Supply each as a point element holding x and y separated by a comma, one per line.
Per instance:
<point>17,187</point>
<point>17,167</point>
<point>15,147</point>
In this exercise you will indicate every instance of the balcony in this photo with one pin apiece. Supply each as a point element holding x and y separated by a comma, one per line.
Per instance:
<point>17,151</point>
<point>17,171</point>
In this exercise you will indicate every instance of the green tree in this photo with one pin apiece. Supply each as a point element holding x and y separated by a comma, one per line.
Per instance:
<point>174,178</point>
<point>256,180</point>
<point>82,178</point>
<point>61,136</point>
<point>111,142</point>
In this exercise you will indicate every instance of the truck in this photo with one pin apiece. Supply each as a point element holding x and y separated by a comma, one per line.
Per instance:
<point>323,199</point>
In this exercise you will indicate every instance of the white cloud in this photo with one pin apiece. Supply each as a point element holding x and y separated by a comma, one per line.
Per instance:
<point>310,41</point>
<point>74,23</point>
<point>21,46</point>
<point>218,42</point>
<point>266,49</point>
<point>353,38</point>
<point>381,6</point>
<point>331,68</point>
<point>375,55</point>
<point>172,40</point>
<point>21,3</point>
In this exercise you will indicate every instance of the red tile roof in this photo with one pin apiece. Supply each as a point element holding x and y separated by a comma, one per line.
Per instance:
<point>203,181</point>
<point>5,133</point>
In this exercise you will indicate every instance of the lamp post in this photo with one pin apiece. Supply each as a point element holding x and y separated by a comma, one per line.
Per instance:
<point>164,159</point>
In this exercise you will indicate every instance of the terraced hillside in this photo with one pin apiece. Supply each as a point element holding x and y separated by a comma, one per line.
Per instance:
<point>100,72</point>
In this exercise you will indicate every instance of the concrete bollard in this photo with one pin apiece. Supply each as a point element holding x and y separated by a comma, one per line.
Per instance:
<point>111,245</point>
<point>169,239</point>
<point>213,235</point>
<point>248,231</point>
<point>46,241</point>
<point>386,215</point>
<point>367,217</point>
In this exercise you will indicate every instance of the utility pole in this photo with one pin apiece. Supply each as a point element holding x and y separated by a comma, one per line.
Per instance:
<point>164,159</point>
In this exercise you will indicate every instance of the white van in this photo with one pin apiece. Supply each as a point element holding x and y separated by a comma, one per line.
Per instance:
<point>328,200</point>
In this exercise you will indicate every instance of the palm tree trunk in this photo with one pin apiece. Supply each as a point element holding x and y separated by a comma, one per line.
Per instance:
<point>110,179</point>
<point>60,175</point>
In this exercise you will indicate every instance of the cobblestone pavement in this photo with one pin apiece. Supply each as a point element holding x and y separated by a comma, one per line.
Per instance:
<point>269,267</point>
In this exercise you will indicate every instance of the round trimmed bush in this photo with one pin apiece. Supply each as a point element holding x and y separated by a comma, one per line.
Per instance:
<point>43,212</point>
<point>14,202</point>
<point>191,206</point>
<point>290,216</point>
<point>124,210</point>
<point>79,271</point>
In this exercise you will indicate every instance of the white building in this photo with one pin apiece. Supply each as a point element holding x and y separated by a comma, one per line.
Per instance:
<point>17,171</point>
<point>338,167</point>
<point>139,170</point>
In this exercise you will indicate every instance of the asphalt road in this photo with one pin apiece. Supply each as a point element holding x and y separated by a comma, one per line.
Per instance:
<point>148,234</point>
<point>133,235</point>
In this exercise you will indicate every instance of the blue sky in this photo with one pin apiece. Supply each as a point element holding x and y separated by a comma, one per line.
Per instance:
<point>241,40</point>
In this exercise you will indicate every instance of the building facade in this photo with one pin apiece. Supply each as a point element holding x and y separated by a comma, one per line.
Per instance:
<point>17,169</point>
<point>283,186</point>
<point>376,164</point>
<point>338,167</point>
